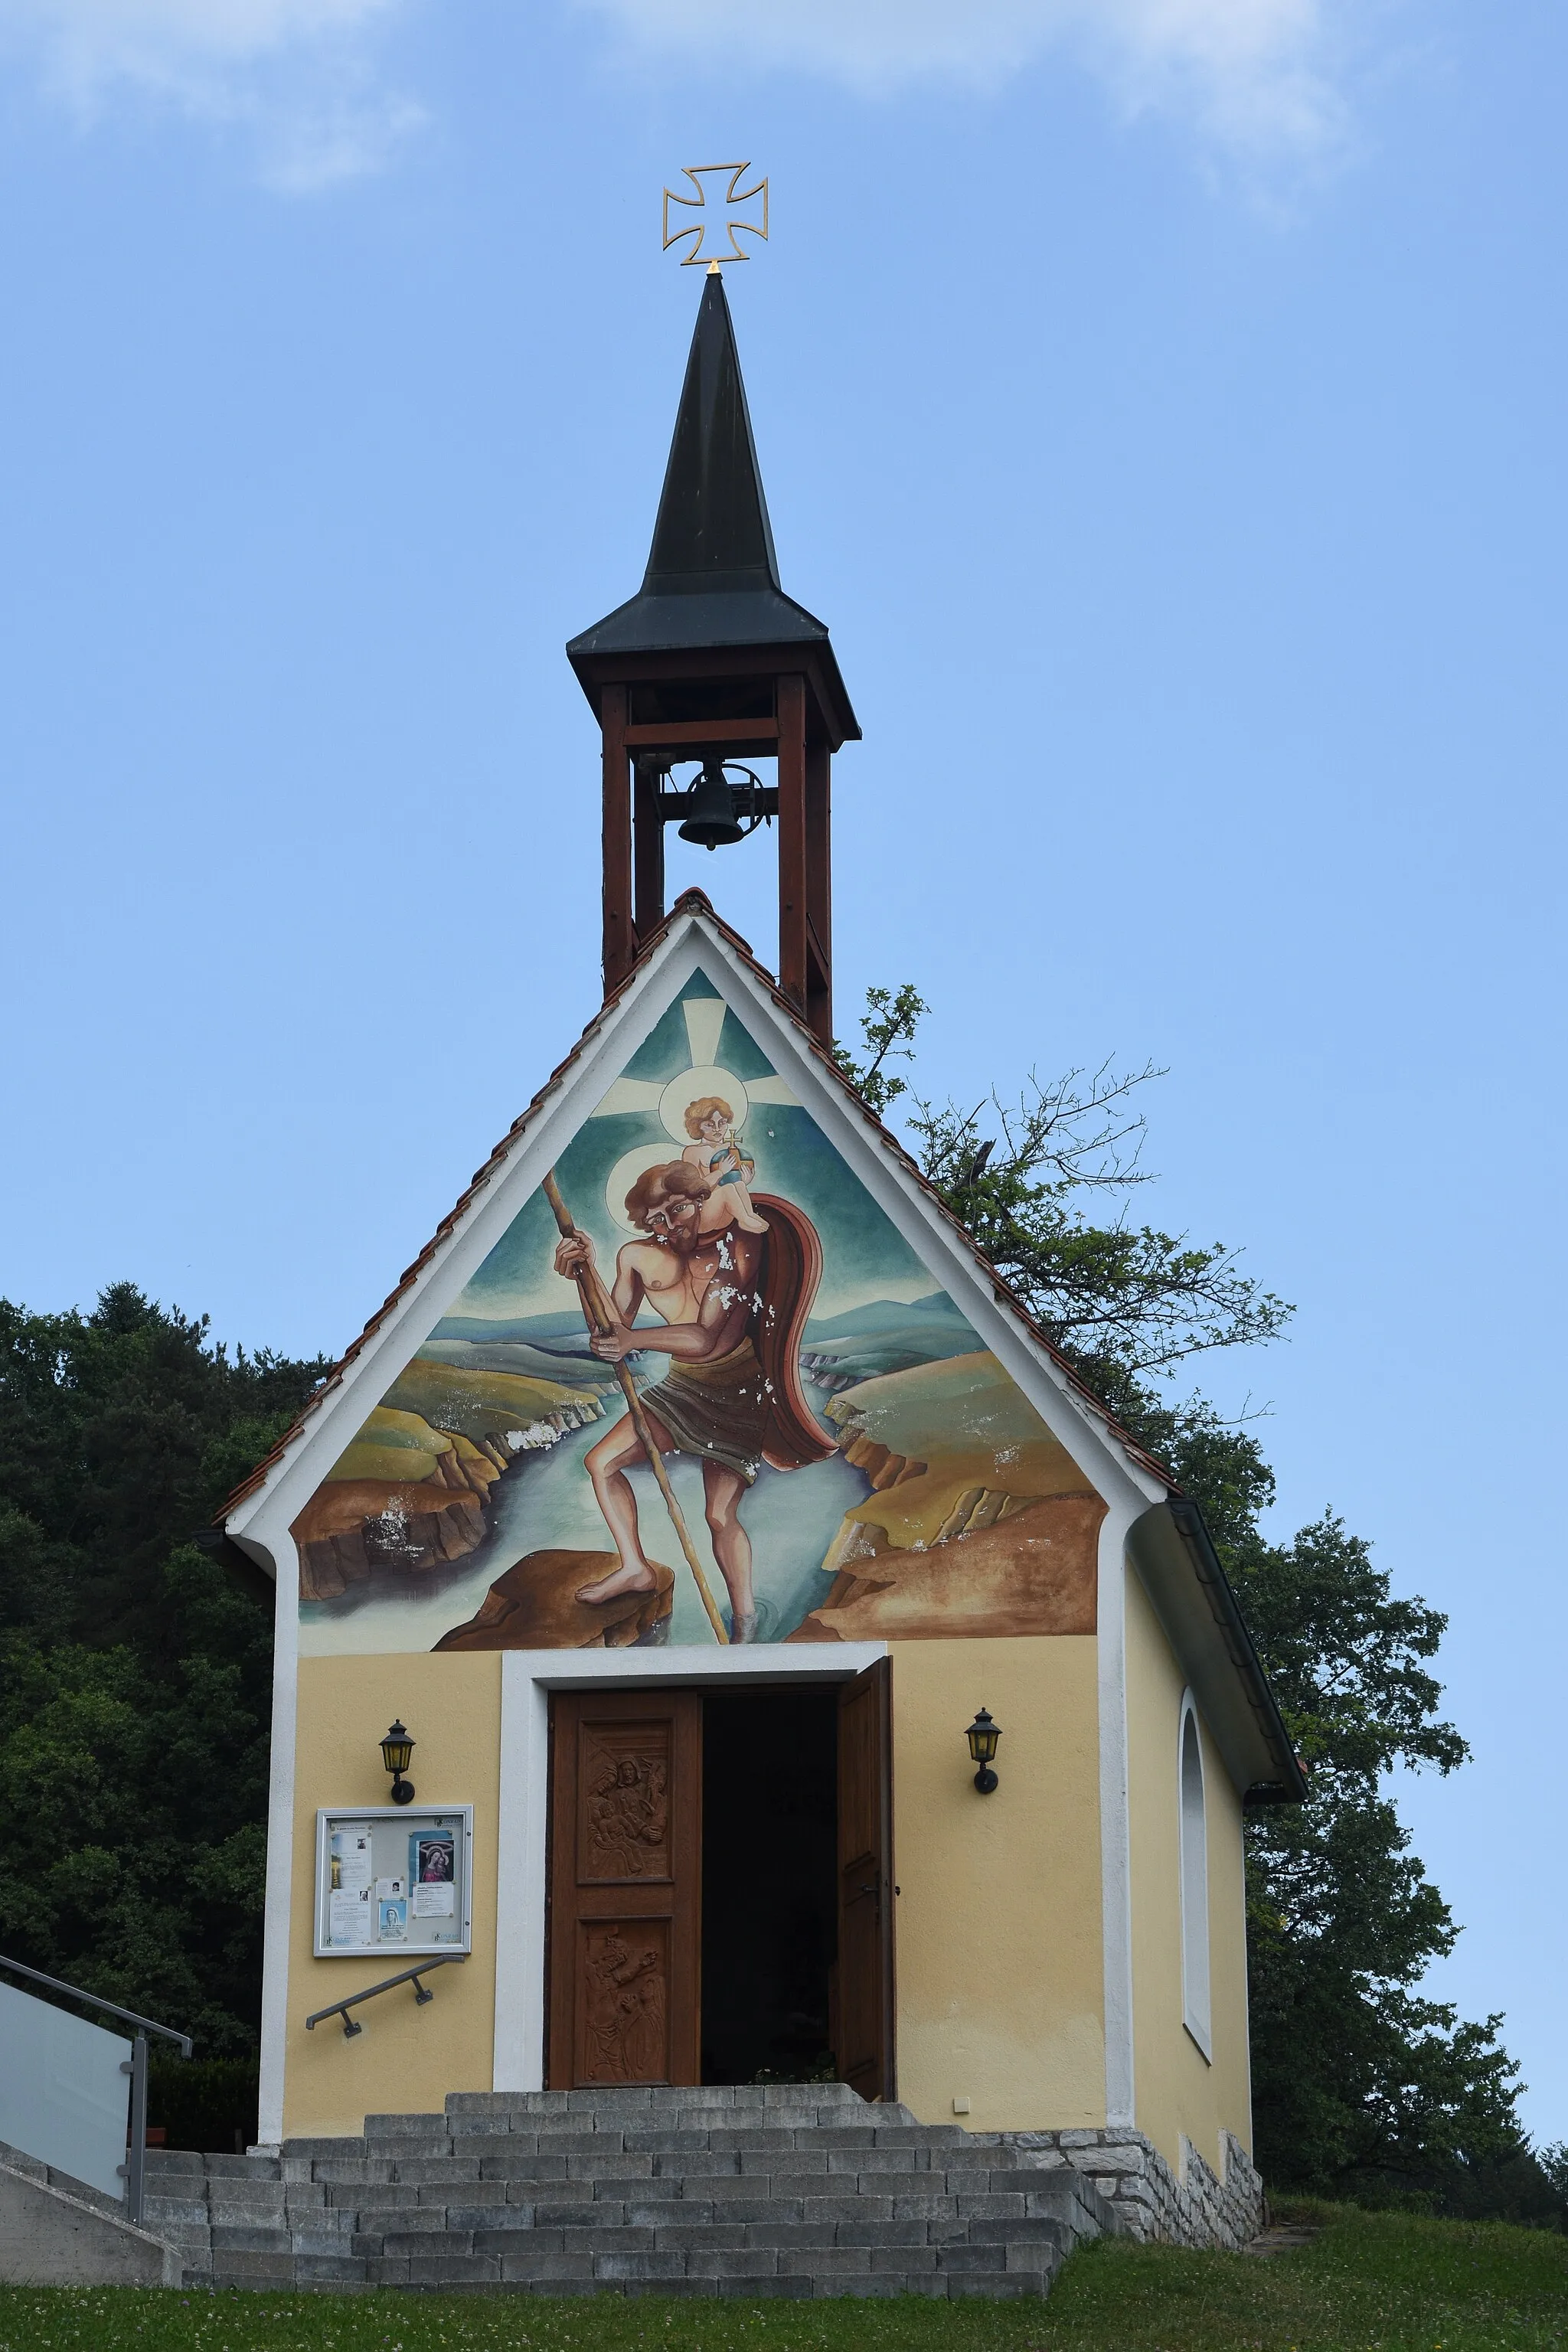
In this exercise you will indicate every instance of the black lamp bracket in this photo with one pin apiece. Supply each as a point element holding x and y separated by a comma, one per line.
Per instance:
<point>982,1735</point>
<point>755,802</point>
<point>397,1754</point>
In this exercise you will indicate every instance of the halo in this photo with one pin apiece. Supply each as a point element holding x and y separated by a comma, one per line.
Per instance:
<point>625,1174</point>
<point>688,1086</point>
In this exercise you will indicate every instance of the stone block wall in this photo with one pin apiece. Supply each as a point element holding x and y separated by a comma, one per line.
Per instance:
<point>1151,2202</point>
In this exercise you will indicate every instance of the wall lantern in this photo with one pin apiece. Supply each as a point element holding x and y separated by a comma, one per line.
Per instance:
<point>982,1735</point>
<point>396,1753</point>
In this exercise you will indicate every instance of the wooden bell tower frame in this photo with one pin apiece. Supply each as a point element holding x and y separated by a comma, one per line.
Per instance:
<point>743,702</point>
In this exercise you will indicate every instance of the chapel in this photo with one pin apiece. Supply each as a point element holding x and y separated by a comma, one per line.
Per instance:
<point>727,1665</point>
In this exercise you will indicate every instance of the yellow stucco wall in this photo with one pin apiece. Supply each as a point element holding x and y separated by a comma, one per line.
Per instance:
<point>1000,1952</point>
<point>407,2058</point>
<point>1176,2091</point>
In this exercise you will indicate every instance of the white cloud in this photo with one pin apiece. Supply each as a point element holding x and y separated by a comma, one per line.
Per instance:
<point>1254,73</point>
<point>296,74</point>
<point>299,75</point>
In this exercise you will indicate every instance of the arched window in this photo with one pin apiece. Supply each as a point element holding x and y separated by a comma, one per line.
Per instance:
<point>1194,1882</point>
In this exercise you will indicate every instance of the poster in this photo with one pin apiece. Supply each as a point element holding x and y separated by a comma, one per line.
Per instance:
<point>352,1917</point>
<point>432,1874</point>
<point>392,1910</point>
<point>350,1914</point>
<point>432,1858</point>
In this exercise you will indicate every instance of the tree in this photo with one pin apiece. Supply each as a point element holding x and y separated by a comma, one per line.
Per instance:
<point>1359,2086</point>
<point>1357,2080</point>
<point>135,1675</point>
<point>1123,1301</point>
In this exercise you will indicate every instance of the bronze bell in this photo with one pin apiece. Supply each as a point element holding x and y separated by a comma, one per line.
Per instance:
<point>711,801</point>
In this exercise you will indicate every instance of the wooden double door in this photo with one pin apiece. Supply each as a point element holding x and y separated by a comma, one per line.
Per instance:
<point>626,1889</point>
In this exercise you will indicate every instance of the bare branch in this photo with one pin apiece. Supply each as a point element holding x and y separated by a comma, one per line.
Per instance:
<point>1125,1301</point>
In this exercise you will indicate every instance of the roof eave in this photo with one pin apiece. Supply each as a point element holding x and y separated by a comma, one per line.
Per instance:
<point>1174,1554</point>
<point>598,664</point>
<point>688,620</point>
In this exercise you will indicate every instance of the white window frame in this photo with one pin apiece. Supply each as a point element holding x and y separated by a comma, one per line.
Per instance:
<point>1192,1835</point>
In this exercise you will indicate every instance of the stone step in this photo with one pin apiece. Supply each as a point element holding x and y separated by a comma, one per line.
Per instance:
<point>782,2190</point>
<point>630,2139</point>
<point>493,2159</point>
<point>624,2098</point>
<point>164,2162</point>
<point>991,2269</point>
<point>228,2200</point>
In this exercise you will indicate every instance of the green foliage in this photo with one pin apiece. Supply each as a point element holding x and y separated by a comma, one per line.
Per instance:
<point>1358,2086</point>
<point>1397,2283</point>
<point>887,1026</point>
<point>135,1676</point>
<point>205,2104</point>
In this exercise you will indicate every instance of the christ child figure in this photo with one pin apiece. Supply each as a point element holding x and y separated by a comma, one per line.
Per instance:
<point>715,1152</point>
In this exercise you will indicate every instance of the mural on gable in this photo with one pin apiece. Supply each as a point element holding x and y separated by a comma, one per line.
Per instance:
<point>835,1453</point>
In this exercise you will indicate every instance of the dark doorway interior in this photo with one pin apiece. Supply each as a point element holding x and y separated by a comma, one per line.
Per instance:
<point>770,1882</point>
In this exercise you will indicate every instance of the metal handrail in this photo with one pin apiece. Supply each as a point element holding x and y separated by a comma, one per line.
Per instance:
<point>95,2000</point>
<point>421,1995</point>
<point>133,2171</point>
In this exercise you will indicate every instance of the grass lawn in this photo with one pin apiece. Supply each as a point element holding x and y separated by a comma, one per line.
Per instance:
<point>1370,2282</point>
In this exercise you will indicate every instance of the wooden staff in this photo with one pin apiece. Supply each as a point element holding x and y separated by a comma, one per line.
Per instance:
<point>599,1311</point>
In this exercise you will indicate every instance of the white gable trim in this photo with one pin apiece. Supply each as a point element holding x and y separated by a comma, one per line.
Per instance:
<point>278,1899</point>
<point>261,1517</point>
<point>692,943</point>
<point>1115,1822</point>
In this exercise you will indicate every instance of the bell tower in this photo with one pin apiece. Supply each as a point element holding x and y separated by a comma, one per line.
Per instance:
<point>712,661</point>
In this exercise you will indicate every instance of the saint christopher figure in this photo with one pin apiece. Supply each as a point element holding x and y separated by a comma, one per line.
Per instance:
<point>733,1306</point>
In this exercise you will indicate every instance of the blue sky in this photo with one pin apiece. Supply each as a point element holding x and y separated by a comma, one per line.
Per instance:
<point>1163,402</point>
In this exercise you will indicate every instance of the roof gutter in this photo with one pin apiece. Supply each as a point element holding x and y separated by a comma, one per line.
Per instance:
<point>220,1547</point>
<point>1290,1787</point>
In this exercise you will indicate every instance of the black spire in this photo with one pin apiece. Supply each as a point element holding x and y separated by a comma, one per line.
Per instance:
<point>712,534</point>
<point>712,578</point>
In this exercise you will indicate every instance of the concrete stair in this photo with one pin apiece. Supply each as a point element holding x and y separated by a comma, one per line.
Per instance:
<point>778,2189</point>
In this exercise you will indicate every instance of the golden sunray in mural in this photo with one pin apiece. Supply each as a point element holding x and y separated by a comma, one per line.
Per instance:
<point>671,1101</point>
<point>704,1026</point>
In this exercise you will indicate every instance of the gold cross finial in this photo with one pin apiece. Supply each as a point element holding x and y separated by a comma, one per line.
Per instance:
<point>720,215</point>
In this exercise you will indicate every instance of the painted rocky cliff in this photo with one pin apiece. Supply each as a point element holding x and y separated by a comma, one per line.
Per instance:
<point>978,1521</point>
<point>410,1492</point>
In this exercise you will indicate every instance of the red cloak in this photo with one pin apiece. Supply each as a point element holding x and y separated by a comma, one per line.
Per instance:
<point>792,1269</point>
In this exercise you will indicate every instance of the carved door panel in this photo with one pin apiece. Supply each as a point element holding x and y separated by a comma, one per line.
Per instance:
<point>864,2003</point>
<point>626,1894</point>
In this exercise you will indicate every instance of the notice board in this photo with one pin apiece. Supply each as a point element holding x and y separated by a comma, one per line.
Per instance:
<point>394,1878</point>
